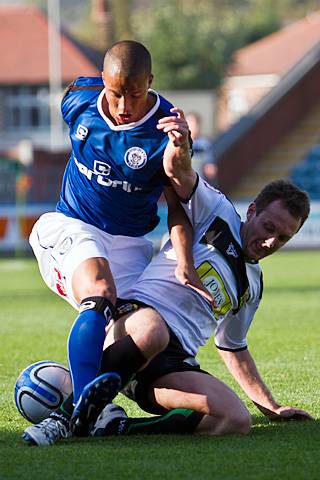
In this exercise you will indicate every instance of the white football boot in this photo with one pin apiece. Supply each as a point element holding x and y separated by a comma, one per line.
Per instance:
<point>47,432</point>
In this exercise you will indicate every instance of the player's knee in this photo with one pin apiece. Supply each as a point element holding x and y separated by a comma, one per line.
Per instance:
<point>235,420</point>
<point>99,305</point>
<point>226,424</point>
<point>161,333</point>
<point>240,422</point>
<point>149,331</point>
<point>157,330</point>
<point>99,288</point>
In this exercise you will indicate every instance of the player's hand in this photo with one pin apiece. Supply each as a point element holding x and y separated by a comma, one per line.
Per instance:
<point>188,276</point>
<point>285,414</point>
<point>176,127</point>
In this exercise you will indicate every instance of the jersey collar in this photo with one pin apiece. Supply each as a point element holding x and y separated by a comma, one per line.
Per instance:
<point>127,126</point>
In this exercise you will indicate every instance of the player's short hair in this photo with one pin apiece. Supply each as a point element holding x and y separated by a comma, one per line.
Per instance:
<point>130,57</point>
<point>295,200</point>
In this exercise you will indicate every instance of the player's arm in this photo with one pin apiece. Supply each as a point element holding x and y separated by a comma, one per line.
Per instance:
<point>177,157</point>
<point>181,234</point>
<point>243,368</point>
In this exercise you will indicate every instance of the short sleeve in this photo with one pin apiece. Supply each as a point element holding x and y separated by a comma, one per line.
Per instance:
<point>231,332</point>
<point>203,203</point>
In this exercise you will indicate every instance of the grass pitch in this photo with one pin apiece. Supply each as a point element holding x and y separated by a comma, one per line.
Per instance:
<point>284,340</point>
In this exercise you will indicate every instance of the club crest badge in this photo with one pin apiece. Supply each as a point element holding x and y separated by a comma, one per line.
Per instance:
<point>135,158</point>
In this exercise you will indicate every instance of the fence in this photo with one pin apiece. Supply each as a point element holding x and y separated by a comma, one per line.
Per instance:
<point>16,222</point>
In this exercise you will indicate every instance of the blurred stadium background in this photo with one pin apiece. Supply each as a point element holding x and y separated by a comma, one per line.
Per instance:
<point>249,68</point>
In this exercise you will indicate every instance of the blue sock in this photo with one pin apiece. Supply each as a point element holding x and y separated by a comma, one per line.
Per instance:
<point>85,346</point>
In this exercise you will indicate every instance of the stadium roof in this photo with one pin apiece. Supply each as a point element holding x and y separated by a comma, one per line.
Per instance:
<point>279,52</point>
<point>24,49</point>
<point>224,141</point>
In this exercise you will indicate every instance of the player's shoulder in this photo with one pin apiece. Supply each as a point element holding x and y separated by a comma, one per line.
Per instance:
<point>80,94</point>
<point>164,105</point>
<point>89,82</point>
<point>84,87</point>
<point>206,195</point>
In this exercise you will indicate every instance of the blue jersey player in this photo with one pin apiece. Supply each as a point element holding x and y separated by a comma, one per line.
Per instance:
<point>121,153</point>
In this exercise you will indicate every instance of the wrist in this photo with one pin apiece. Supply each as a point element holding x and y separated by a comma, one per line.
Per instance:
<point>185,263</point>
<point>268,407</point>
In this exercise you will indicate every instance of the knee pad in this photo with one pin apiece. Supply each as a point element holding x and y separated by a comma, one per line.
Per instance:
<point>99,304</point>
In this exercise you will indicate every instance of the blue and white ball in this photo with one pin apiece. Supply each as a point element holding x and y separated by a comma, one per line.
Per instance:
<point>41,388</point>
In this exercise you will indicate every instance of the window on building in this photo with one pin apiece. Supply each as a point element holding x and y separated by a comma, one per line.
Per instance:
<point>27,107</point>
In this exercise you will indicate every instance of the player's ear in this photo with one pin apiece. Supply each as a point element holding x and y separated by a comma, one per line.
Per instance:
<point>102,76</point>
<point>251,210</point>
<point>150,79</point>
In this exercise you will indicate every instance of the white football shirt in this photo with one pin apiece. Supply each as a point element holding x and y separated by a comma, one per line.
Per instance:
<point>186,312</point>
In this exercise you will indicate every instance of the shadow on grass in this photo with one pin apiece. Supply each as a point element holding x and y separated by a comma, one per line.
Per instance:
<point>261,428</point>
<point>287,447</point>
<point>262,423</point>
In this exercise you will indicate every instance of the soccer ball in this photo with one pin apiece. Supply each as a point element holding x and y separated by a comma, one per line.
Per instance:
<point>41,388</point>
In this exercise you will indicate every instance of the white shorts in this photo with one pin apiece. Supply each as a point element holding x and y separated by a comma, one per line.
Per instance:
<point>62,243</point>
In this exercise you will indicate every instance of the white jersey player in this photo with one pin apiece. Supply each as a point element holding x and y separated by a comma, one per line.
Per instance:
<point>186,312</point>
<point>226,253</point>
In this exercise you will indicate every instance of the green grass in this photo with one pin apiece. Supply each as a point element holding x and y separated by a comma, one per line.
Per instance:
<point>284,340</point>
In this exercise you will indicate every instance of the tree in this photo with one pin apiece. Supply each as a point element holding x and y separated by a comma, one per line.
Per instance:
<point>192,42</point>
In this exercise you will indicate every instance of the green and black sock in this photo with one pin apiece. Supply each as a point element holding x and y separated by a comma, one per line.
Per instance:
<point>179,421</point>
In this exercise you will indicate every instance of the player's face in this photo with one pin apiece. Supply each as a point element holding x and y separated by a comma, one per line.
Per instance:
<point>127,97</point>
<point>265,233</point>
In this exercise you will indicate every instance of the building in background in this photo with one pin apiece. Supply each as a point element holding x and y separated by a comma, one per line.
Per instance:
<point>31,159</point>
<point>24,76</point>
<point>25,120</point>
<point>260,66</point>
<point>268,127</point>
<point>268,114</point>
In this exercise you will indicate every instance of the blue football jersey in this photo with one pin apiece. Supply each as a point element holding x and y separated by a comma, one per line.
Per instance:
<point>115,173</point>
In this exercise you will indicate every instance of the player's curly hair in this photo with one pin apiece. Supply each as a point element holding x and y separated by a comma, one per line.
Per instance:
<point>295,200</point>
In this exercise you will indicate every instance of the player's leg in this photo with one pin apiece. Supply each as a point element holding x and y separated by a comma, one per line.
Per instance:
<point>94,290</point>
<point>223,411</point>
<point>78,253</point>
<point>94,287</point>
<point>195,402</point>
<point>124,354</point>
<point>187,398</point>
<point>132,341</point>
<point>139,335</point>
